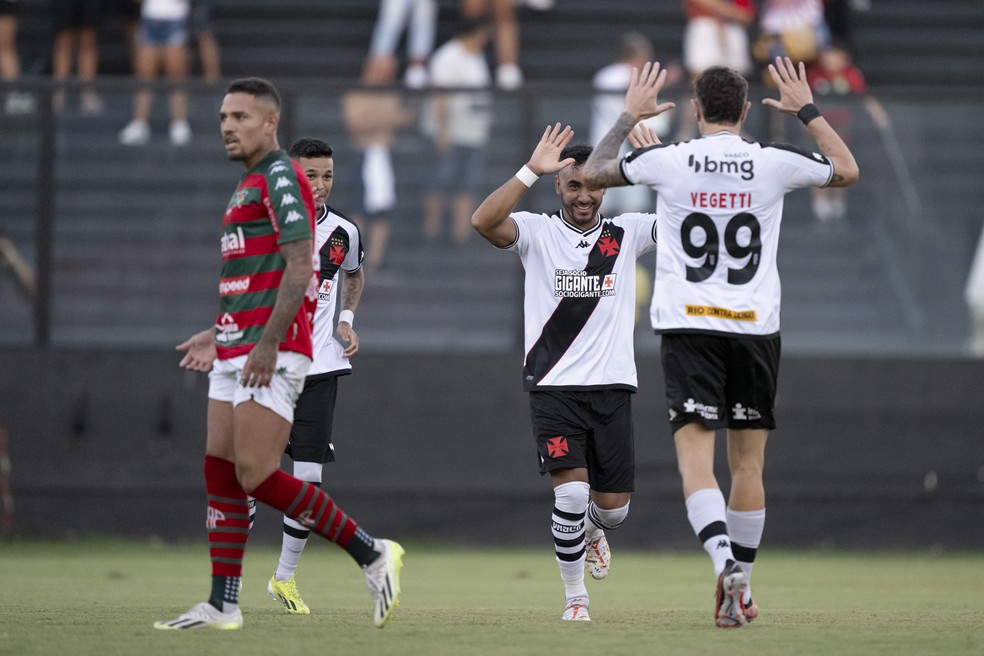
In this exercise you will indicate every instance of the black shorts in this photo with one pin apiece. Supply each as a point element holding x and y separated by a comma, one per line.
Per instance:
<point>128,10</point>
<point>591,429</point>
<point>310,434</point>
<point>70,14</point>
<point>200,18</point>
<point>720,382</point>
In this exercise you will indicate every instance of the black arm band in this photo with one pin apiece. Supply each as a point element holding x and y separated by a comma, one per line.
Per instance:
<point>807,113</point>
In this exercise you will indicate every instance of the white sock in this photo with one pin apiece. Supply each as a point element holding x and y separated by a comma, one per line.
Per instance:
<point>706,511</point>
<point>608,519</point>
<point>746,527</point>
<point>567,524</point>
<point>295,535</point>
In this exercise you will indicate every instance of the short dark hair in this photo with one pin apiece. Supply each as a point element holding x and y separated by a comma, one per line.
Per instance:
<point>309,148</point>
<point>721,93</point>
<point>580,153</point>
<point>255,86</point>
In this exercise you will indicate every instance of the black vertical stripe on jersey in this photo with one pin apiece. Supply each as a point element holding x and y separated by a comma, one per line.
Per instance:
<point>569,317</point>
<point>329,268</point>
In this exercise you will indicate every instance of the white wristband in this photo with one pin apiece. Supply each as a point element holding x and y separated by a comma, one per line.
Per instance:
<point>348,316</point>
<point>527,176</point>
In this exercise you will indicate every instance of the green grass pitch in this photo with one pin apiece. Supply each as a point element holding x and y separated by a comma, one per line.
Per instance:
<point>100,598</point>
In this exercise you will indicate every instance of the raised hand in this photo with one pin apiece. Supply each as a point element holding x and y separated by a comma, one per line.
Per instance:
<point>794,90</point>
<point>546,155</point>
<point>641,98</point>
<point>643,136</point>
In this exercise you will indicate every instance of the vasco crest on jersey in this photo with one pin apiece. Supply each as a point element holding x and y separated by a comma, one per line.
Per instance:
<point>608,244</point>
<point>324,289</point>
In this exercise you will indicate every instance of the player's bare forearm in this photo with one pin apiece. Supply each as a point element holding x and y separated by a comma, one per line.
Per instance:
<point>352,286</point>
<point>831,145</point>
<point>602,167</point>
<point>491,219</point>
<point>293,285</point>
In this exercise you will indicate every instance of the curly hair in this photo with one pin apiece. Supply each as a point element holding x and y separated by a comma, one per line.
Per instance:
<point>722,93</point>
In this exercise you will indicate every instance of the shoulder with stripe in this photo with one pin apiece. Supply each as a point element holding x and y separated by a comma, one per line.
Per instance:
<point>279,170</point>
<point>795,150</point>
<point>639,151</point>
<point>341,217</point>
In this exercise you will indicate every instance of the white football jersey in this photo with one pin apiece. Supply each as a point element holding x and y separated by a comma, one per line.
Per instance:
<point>580,295</point>
<point>339,246</point>
<point>720,204</point>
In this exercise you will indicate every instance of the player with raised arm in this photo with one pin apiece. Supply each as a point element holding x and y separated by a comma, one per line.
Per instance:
<point>258,354</point>
<point>716,296</point>
<point>579,368</point>
<point>339,245</point>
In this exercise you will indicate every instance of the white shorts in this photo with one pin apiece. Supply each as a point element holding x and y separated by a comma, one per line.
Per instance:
<point>709,42</point>
<point>224,383</point>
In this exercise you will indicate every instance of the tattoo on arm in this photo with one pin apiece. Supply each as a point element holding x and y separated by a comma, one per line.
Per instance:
<point>352,290</point>
<point>290,294</point>
<point>602,167</point>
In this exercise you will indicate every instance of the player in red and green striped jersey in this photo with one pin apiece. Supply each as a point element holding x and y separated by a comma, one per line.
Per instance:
<point>258,355</point>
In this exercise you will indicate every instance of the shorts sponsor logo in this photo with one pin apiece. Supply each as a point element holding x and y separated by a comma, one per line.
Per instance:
<point>721,313</point>
<point>233,286</point>
<point>575,283</point>
<point>692,407</point>
<point>741,413</point>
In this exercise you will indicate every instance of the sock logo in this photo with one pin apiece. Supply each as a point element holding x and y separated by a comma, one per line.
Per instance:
<point>212,518</point>
<point>722,544</point>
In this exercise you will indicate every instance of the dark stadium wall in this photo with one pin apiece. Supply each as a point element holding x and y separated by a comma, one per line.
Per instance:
<point>869,452</point>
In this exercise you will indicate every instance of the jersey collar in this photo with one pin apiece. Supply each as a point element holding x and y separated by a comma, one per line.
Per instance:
<point>571,226</point>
